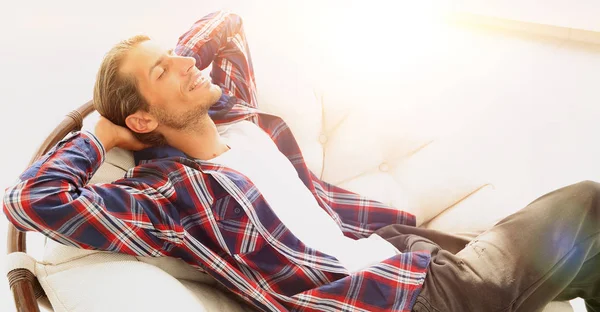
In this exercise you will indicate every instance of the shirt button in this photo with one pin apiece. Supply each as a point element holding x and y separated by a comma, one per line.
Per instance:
<point>237,210</point>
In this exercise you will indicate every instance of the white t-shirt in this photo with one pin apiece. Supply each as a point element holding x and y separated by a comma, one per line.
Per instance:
<point>254,154</point>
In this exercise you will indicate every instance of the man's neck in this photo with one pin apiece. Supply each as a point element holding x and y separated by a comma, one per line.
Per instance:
<point>200,141</point>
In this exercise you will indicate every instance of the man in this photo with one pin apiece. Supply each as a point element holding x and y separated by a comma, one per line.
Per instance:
<point>223,186</point>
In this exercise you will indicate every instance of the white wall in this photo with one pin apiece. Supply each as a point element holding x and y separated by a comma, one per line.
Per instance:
<point>532,104</point>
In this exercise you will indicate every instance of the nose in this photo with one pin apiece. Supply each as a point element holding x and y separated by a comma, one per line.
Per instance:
<point>185,64</point>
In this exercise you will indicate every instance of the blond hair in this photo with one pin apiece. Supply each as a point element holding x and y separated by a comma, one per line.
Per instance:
<point>116,95</point>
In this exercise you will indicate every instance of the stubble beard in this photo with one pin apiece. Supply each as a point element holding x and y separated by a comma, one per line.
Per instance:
<point>188,120</point>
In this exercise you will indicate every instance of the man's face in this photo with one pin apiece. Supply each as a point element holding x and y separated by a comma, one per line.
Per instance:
<point>178,94</point>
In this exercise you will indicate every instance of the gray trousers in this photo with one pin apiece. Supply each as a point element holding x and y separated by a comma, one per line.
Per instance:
<point>549,250</point>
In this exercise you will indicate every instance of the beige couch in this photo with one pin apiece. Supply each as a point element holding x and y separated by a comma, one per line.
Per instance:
<point>351,134</point>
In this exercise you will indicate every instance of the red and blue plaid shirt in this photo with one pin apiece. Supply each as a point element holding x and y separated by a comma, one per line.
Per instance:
<point>211,216</point>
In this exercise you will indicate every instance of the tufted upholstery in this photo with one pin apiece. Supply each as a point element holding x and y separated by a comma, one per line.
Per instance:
<point>349,144</point>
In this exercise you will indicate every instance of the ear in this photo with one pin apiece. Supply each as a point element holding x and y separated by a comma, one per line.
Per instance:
<point>141,122</point>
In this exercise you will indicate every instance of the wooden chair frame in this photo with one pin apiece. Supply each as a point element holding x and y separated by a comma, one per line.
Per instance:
<point>25,287</point>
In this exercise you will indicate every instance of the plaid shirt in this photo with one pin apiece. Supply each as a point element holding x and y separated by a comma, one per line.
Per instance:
<point>211,216</point>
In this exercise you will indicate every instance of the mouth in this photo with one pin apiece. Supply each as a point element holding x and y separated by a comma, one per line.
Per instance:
<point>199,81</point>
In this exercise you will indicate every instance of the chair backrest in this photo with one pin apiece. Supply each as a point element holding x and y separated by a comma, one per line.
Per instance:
<point>23,284</point>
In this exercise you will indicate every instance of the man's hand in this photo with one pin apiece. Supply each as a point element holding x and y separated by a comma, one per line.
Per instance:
<point>112,135</point>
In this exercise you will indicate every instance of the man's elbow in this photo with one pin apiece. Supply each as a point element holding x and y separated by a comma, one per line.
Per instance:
<point>10,208</point>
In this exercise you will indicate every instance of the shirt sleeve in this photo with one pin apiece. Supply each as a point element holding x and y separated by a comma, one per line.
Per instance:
<point>128,216</point>
<point>219,39</point>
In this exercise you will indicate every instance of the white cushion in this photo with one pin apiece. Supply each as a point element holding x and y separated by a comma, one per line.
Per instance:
<point>103,282</point>
<point>19,260</point>
<point>56,254</point>
<point>460,218</point>
<point>558,306</point>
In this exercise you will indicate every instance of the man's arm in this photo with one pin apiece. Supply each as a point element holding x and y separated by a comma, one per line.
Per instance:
<point>127,216</point>
<point>219,38</point>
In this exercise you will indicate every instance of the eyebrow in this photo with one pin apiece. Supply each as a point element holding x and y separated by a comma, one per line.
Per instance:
<point>160,60</point>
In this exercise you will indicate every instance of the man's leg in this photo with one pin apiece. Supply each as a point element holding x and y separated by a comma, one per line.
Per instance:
<point>585,282</point>
<point>548,250</point>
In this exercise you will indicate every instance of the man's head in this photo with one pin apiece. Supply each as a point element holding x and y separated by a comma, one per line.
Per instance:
<point>143,87</point>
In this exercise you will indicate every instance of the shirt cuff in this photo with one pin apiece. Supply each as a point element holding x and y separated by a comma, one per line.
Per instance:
<point>95,146</point>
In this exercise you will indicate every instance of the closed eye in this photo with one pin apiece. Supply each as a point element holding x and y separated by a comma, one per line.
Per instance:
<point>170,52</point>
